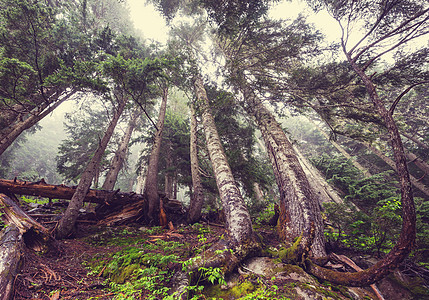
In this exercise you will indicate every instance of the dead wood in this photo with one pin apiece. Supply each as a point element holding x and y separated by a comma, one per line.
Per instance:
<point>35,236</point>
<point>10,259</point>
<point>42,189</point>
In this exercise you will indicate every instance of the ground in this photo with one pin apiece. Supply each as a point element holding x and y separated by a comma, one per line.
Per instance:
<point>138,262</point>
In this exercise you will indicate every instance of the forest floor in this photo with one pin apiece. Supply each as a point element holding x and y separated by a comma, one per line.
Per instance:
<point>95,263</point>
<point>138,262</point>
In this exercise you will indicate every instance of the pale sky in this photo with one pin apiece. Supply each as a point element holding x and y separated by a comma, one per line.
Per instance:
<point>153,26</point>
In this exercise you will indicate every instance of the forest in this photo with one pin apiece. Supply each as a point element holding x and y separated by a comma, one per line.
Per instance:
<point>247,157</point>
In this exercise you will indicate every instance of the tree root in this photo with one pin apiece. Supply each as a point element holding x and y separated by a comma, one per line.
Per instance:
<point>223,255</point>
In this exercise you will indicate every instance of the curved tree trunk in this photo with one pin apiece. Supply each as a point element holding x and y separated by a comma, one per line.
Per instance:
<point>408,233</point>
<point>197,197</point>
<point>66,224</point>
<point>120,154</point>
<point>300,213</point>
<point>7,138</point>
<point>151,185</point>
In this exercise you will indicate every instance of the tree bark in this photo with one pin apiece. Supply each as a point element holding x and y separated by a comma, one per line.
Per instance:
<point>66,224</point>
<point>120,155</point>
<point>11,254</point>
<point>168,179</point>
<point>151,186</point>
<point>35,235</point>
<point>197,196</point>
<point>321,189</point>
<point>237,218</point>
<point>300,213</point>
<point>35,116</point>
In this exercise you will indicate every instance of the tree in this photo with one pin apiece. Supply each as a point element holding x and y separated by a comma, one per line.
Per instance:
<point>120,154</point>
<point>197,196</point>
<point>36,75</point>
<point>66,224</point>
<point>250,61</point>
<point>394,22</point>
<point>151,184</point>
<point>84,128</point>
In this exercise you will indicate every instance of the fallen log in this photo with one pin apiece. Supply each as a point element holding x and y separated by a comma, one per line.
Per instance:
<point>11,253</point>
<point>114,207</point>
<point>35,236</point>
<point>42,189</point>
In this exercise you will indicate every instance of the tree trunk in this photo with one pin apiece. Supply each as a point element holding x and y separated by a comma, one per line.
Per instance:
<point>408,233</point>
<point>11,249</point>
<point>237,218</point>
<point>35,235</point>
<point>120,155</point>
<point>151,186</point>
<point>300,213</point>
<point>197,196</point>
<point>415,140</point>
<point>67,222</point>
<point>168,183</point>
<point>321,189</point>
<point>36,115</point>
<point>141,178</point>
<point>420,186</point>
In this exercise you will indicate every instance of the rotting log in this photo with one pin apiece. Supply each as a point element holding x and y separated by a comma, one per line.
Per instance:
<point>35,236</point>
<point>10,259</point>
<point>115,207</point>
<point>42,189</point>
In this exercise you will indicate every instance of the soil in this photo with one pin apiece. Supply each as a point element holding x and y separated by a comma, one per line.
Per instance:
<point>44,276</point>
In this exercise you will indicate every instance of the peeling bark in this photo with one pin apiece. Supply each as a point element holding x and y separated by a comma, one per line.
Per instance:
<point>237,218</point>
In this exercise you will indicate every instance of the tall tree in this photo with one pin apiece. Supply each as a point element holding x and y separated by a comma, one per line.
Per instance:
<point>392,23</point>
<point>67,222</point>
<point>247,59</point>
<point>120,154</point>
<point>197,196</point>
<point>151,184</point>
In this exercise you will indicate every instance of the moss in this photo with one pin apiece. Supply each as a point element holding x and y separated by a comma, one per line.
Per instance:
<point>242,289</point>
<point>289,255</point>
<point>235,292</point>
<point>125,273</point>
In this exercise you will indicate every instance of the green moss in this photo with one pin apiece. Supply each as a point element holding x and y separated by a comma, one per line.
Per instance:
<point>289,255</point>
<point>242,289</point>
<point>125,273</point>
